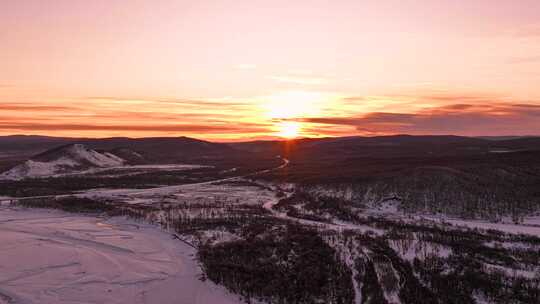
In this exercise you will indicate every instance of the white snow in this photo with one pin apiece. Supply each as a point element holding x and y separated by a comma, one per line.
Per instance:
<point>216,237</point>
<point>347,252</point>
<point>54,257</point>
<point>507,228</point>
<point>336,225</point>
<point>409,249</point>
<point>388,209</point>
<point>165,167</point>
<point>204,192</point>
<point>532,220</point>
<point>94,157</point>
<point>385,273</point>
<point>118,171</point>
<point>38,169</point>
<point>529,274</point>
<point>503,151</point>
<point>481,298</point>
<point>75,158</point>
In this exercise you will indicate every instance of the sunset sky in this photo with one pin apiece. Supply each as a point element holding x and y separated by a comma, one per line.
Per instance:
<point>238,70</point>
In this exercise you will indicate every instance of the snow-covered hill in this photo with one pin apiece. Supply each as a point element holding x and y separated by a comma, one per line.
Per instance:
<point>64,160</point>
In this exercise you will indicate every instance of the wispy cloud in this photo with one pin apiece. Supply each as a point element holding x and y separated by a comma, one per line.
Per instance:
<point>531,31</point>
<point>431,112</point>
<point>111,115</point>
<point>299,80</point>
<point>462,119</point>
<point>246,66</point>
<point>527,59</point>
<point>179,102</point>
<point>219,129</point>
<point>34,107</point>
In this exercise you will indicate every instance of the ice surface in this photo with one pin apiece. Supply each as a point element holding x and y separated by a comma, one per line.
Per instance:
<point>54,257</point>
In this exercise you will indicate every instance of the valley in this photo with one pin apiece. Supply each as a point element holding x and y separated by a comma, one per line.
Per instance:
<point>268,236</point>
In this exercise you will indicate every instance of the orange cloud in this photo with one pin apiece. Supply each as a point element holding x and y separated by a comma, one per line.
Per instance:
<point>236,119</point>
<point>459,119</point>
<point>223,129</point>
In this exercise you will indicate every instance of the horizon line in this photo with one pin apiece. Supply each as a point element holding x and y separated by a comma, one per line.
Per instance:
<point>272,139</point>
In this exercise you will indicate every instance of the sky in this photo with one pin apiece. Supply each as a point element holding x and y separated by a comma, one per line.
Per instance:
<point>231,70</point>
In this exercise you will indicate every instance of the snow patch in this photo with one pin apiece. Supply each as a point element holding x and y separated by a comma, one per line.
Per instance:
<point>507,228</point>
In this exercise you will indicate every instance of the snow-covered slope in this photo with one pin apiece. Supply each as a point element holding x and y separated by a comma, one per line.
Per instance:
<point>67,159</point>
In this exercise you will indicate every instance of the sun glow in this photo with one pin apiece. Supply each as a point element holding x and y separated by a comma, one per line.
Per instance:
<point>289,129</point>
<point>294,104</point>
<point>283,107</point>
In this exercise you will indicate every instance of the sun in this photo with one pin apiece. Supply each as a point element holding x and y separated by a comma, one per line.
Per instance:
<point>285,110</point>
<point>282,107</point>
<point>289,129</point>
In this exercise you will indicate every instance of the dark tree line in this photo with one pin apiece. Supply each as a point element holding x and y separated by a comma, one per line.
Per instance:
<point>288,265</point>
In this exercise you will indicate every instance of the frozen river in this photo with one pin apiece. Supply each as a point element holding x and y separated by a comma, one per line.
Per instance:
<point>55,257</point>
